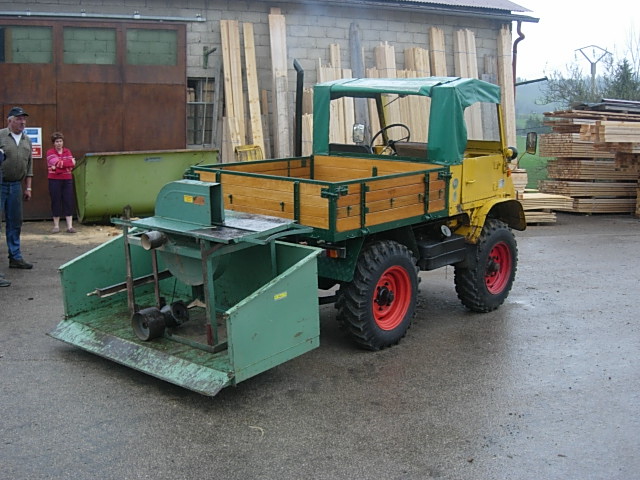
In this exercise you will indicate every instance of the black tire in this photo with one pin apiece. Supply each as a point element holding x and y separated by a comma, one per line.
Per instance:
<point>484,281</point>
<point>377,307</point>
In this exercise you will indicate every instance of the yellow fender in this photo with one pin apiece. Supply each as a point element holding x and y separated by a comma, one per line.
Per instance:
<point>509,211</point>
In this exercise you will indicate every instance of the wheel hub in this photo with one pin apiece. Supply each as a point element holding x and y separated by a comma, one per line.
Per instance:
<point>385,296</point>
<point>493,266</point>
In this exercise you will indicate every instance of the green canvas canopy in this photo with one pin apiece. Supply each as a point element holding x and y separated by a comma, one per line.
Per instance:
<point>449,98</point>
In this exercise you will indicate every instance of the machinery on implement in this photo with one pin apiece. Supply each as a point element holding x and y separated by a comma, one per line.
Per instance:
<point>222,282</point>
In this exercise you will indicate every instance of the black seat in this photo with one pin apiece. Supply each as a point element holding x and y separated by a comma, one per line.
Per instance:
<point>348,148</point>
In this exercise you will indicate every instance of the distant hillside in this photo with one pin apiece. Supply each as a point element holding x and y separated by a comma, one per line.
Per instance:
<point>529,100</point>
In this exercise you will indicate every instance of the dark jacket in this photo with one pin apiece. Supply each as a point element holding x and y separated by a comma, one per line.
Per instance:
<point>18,161</point>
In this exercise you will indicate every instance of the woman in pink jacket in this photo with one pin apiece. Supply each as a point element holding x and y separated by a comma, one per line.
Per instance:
<point>61,162</point>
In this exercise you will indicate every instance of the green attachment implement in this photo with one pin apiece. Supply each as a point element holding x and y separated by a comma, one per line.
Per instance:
<point>194,295</point>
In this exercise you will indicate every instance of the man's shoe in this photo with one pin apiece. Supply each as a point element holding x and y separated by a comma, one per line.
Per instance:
<point>19,263</point>
<point>4,283</point>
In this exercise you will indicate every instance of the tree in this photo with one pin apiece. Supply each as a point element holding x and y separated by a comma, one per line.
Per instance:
<point>623,84</point>
<point>619,81</point>
<point>572,89</point>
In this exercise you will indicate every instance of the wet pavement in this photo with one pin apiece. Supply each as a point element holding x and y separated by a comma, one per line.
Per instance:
<point>546,387</point>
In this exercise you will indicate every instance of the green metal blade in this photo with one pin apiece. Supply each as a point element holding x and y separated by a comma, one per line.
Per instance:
<point>179,367</point>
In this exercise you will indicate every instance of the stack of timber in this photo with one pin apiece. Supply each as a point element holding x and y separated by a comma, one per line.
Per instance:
<point>586,143</point>
<point>631,161</point>
<point>540,207</point>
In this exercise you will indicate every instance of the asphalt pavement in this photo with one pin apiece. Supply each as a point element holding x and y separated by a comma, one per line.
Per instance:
<point>546,387</point>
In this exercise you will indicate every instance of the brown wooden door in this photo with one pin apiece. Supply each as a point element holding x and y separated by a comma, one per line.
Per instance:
<point>99,108</point>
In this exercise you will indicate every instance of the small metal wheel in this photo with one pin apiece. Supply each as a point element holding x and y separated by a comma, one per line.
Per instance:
<point>175,314</point>
<point>148,323</point>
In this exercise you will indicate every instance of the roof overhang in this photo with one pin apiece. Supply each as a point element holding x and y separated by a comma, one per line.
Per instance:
<point>430,8</point>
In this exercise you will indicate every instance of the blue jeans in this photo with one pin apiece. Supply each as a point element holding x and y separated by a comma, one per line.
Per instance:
<point>11,205</point>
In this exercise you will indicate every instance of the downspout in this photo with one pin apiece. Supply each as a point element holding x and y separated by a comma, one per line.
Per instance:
<point>299,93</point>
<point>514,61</point>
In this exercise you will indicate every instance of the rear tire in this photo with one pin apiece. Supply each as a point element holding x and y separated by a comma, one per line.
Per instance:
<point>483,284</point>
<point>377,307</point>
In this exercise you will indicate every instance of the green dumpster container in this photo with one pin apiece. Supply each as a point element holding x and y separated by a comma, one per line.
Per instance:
<point>107,182</point>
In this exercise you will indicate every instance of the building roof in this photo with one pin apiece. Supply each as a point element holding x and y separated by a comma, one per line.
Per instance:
<point>490,5</point>
<point>502,10</point>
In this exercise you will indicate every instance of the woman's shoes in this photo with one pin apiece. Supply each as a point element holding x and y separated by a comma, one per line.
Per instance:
<point>69,230</point>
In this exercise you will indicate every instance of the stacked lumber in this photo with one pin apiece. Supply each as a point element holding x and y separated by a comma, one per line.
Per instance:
<point>540,207</point>
<point>569,145</point>
<point>612,135</point>
<point>585,143</point>
<point>588,169</point>
<point>604,205</point>
<point>589,188</point>
<point>631,162</point>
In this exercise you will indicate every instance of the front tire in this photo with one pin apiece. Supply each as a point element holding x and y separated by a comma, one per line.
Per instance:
<point>377,307</point>
<point>485,280</point>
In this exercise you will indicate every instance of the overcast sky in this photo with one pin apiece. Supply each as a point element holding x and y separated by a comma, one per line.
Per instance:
<point>568,25</point>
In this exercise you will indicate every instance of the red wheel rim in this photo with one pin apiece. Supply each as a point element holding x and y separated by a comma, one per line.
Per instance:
<point>391,298</point>
<point>498,268</point>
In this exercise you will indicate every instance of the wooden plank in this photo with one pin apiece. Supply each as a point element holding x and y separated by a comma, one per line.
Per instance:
<point>282,147</point>
<point>232,70</point>
<point>437,52</point>
<point>417,59</point>
<point>506,81</point>
<point>231,139</point>
<point>307,134</point>
<point>357,68</point>
<point>385,59</point>
<point>259,167</point>
<point>278,44</point>
<point>255,113</point>
<point>466,65</point>
<point>385,194</point>
<point>391,165</point>
<point>395,214</point>
<point>374,118</point>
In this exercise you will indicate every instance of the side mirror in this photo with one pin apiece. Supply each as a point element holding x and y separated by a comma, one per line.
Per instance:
<point>532,143</point>
<point>358,133</point>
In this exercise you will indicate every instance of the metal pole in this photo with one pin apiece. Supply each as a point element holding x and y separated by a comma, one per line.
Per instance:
<point>593,61</point>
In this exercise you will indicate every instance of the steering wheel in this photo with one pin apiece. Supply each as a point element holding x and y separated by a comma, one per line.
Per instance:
<point>391,143</point>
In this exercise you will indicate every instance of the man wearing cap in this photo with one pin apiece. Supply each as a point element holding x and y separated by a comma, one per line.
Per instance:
<point>3,281</point>
<point>17,167</point>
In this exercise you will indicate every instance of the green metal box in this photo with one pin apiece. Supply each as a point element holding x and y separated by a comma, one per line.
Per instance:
<point>107,182</point>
